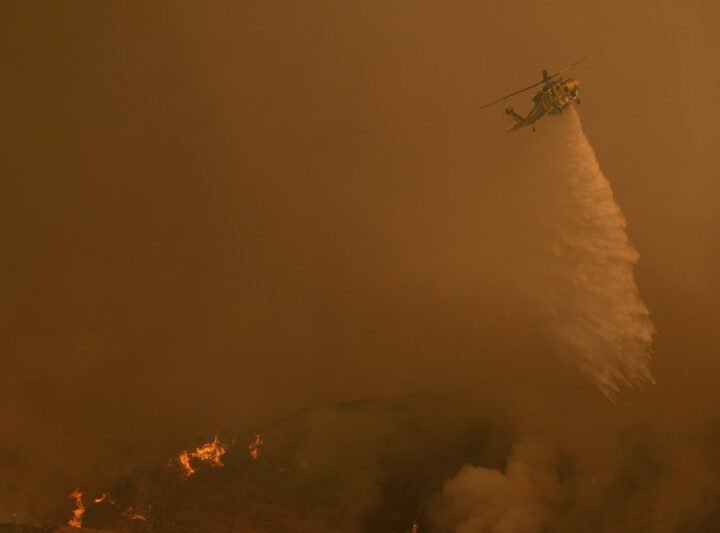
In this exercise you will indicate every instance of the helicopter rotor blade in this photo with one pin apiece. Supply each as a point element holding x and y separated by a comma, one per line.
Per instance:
<point>546,80</point>
<point>513,94</point>
<point>580,60</point>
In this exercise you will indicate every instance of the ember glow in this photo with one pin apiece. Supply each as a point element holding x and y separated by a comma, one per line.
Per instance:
<point>255,447</point>
<point>104,497</point>
<point>79,511</point>
<point>184,460</point>
<point>209,453</point>
<point>134,513</point>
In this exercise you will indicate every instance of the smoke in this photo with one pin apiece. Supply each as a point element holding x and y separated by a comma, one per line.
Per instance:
<point>312,215</point>
<point>582,272</point>
<point>520,500</point>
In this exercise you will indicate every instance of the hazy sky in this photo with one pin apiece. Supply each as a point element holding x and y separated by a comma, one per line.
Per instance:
<point>214,214</point>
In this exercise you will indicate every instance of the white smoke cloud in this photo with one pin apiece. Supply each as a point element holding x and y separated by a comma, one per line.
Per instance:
<point>520,500</point>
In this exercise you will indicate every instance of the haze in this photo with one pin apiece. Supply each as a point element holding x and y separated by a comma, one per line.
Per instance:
<point>215,215</point>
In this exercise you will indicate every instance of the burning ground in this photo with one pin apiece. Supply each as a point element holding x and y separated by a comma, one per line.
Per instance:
<point>420,464</point>
<point>351,467</point>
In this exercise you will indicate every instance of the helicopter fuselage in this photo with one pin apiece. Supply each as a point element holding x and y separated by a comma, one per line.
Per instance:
<point>554,96</point>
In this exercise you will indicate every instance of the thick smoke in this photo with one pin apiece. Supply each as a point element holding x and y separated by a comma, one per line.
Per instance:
<point>521,500</point>
<point>583,275</point>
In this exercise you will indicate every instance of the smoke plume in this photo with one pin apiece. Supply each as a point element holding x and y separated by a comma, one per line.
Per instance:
<point>520,500</point>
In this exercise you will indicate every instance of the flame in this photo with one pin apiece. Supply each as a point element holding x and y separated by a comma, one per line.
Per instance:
<point>133,513</point>
<point>184,459</point>
<point>105,497</point>
<point>255,447</point>
<point>79,511</point>
<point>414,528</point>
<point>210,453</point>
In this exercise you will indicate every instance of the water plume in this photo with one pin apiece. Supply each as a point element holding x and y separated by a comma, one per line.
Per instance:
<point>583,269</point>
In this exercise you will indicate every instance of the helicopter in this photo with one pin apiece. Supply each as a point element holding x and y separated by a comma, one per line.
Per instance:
<point>553,97</point>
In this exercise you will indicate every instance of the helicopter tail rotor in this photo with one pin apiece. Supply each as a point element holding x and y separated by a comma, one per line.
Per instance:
<point>508,111</point>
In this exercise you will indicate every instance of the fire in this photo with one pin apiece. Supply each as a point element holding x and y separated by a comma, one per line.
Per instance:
<point>255,447</point>
<point>104,497</point>
<point>184,459</point>
<point>414,528</point>
<point>134,513</point>
<point>137,512</point>
<point>76,520</point>
<point>210,453</point>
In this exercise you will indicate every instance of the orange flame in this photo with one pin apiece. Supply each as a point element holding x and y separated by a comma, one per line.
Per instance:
<point>210,453</point>
<point>76,520</point>
<point>255,447</point>
<point>133,514</point>
<point>184,459</point>
<point>105,497</point>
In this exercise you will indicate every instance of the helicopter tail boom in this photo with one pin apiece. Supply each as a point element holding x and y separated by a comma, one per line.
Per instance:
<point>520,120</point>
<point>516,117</point>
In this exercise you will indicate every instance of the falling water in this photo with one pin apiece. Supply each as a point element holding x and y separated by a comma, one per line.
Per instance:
<point>595,313</point>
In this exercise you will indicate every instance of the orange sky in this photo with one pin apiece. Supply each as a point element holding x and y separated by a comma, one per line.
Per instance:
<point>280,205</point>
